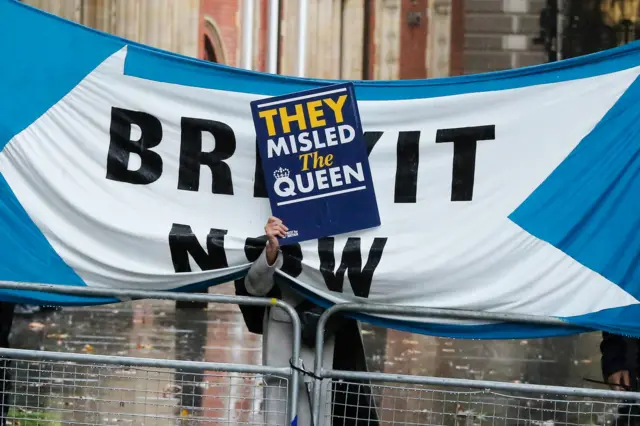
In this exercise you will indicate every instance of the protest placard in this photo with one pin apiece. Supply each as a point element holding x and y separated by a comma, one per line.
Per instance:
<point>315,162</point>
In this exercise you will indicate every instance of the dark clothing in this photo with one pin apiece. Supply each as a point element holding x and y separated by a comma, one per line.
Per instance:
<point>6,320</point>
<point>351,401</point>
<point>620,353</point>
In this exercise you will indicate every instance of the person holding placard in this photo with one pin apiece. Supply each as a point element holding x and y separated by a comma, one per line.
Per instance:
<point>343,348</point>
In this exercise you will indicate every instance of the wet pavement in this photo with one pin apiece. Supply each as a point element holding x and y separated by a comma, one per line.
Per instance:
<point>218,334</point>
<point>156,329</point>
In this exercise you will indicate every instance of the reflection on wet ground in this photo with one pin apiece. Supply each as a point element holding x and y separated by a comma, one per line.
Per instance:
<point>218,334</point>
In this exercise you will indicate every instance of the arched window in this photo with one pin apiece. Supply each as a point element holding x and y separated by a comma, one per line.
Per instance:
<point>214,50</point>
<point>209,53</point>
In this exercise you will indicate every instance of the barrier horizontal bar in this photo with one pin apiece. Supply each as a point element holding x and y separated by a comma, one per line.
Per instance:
<point>478,384</point>
<point>374,308</point>
<point>143,294</point>
<point>27,354</point>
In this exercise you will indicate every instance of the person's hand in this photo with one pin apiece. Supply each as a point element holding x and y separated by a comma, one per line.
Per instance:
<point>619,380</point>
<point>274,229</point>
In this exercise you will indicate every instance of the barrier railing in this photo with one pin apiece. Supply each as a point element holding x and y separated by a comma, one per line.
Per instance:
<point>405,399</point>
<point>83,385</point>
<point>96,389</point>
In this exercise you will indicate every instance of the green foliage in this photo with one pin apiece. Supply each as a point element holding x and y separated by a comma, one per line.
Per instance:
<point>22,417</point>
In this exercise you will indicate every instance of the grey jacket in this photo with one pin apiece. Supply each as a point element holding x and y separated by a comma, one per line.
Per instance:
<point>276,351</point>
<point>277,334</point>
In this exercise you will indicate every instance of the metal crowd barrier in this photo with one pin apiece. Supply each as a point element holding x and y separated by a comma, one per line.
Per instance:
<point>55,388</point>
<point>421,400</point>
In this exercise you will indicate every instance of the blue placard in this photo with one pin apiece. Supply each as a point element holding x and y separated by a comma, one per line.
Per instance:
<point>315,162</point>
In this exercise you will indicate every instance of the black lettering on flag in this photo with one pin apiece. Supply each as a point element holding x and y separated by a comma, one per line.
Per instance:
<point>292,262</point>
<point>192,157</point>
<point>351,262</point>
<point>371,139</point>
<point>407,167</point>
<point>253,247</point>
<point>182,243</point>
<point>465,141</point>
<point>121,147</point>
<point>259,185</point>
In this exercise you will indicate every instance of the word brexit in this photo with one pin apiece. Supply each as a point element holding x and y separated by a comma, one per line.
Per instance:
<point>151,164</point>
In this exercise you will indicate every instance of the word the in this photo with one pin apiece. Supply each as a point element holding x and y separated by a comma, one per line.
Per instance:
<point>319,161</point>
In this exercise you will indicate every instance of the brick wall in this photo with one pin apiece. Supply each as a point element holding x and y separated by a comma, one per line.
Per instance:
<point>498,35</point>
<point>226,15</point>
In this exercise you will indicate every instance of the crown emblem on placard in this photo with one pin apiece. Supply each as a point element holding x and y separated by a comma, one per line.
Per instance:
<point>281,173</point>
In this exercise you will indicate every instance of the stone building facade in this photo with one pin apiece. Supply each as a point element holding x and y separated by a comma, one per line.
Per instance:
<point>347,39</point>
<point>167,24</point>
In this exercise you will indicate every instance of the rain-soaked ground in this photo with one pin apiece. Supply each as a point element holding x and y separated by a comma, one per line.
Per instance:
<point>155,329</point>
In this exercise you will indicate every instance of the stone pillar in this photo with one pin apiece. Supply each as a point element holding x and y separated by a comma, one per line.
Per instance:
<point>387,39</point>
<point>288,32</point>
<point>439,38</point>
<point>353,41</point>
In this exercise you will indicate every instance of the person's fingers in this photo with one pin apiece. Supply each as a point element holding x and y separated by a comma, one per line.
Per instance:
<point>279,230</point>
<point>276,226</point>
<point>275,231</point>
<point>273,219</point>
<point>620,380</point>
<point>626,379</point>
<point>614,380</point>
<point>274,223</point>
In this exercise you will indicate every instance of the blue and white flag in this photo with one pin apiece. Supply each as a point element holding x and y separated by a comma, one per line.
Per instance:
<point>126,167</point>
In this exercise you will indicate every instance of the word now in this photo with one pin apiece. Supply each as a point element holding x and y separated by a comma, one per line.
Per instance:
<point>192,159</point>
<point>184,244</point>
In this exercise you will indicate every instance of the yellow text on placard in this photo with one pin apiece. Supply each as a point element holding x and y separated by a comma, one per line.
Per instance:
<point>281,119</point>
